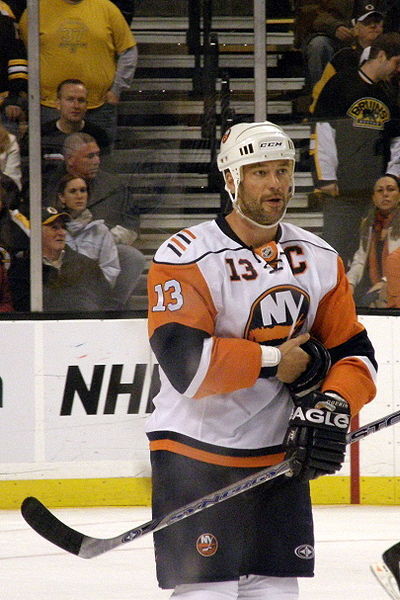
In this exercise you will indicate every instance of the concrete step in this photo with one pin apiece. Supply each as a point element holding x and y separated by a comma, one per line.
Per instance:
<point>162,182</point>
<point>182,107</point>
<point>219,22</point>
<point>179,159</point>
<point>174,113</point>
<point>181,181</point>
<point>275,40</point>
<point>184,132</point>
<point>179,61</point>
<point>278,84</point>
<point>210,201</point>
<point>174,222</point>
<point>230,30</point>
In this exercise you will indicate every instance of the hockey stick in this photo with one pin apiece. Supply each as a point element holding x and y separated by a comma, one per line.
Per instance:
<point>388,572</point>
<point>386,579</point>
<point>51,528</point>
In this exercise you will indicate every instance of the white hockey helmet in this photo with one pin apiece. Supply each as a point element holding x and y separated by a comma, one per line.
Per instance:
<point>247,143</point>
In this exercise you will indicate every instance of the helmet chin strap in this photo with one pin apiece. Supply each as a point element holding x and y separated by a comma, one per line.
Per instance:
<point>236,207</point>
<point>271,226</point>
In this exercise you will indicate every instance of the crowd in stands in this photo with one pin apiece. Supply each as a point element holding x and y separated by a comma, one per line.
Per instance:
<point>88,56</point>
<point>351,57</point>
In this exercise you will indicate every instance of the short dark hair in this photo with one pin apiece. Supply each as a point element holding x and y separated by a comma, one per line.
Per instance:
<point>62,184</point>
<point>394,177</point>
<point>74,141</point>
<point>69,82</point>
<point>388,42</point>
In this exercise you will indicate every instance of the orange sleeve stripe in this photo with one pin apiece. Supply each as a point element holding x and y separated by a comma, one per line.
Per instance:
<point>189,233</point>
<point>197,308</point>
<point>178,243</point>
<point>216,459</point>
<point>235,364</point>
<point>351,379</point>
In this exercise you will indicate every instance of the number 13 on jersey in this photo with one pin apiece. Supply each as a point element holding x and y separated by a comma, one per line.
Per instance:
<point>169,296</point>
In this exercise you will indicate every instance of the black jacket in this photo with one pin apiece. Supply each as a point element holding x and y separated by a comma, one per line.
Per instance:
<point>79,285</point>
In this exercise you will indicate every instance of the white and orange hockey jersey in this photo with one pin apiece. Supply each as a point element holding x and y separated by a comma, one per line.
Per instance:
<point>212,302</point>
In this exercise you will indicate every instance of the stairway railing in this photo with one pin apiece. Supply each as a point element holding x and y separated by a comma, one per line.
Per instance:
<point>203,44</point>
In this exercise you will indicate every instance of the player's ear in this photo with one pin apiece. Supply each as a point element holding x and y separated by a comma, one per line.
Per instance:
<point>229,180</point>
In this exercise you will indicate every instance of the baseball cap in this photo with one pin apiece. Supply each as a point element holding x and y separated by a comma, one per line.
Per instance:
<point>366,9</point>
<point>50,214</point>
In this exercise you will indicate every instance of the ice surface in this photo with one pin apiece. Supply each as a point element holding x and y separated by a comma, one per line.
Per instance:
<point>348,540</point>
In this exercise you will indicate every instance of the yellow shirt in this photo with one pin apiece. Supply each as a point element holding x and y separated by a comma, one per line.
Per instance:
<point>80,41</point>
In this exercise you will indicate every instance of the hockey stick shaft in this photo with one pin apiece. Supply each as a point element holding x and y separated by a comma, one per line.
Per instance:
<point>47,525</point>
<point>362,432</point>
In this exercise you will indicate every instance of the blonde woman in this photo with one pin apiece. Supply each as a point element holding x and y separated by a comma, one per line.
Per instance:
<point>374,273</point>
<point>84,234</point>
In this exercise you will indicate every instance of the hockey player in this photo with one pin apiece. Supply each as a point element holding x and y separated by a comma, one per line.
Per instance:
<point>355,140</point>
<point>232,304</point>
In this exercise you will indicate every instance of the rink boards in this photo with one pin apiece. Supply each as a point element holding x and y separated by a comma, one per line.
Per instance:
<point>74,397</point>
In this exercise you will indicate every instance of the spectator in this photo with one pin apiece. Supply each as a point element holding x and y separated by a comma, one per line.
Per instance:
<point>76,38</point>
<point>84,234</point>
<point>71,281</point>
<point>13,74</point>
<point>109,200</point>
<point>356,139</point>
<point>12,239</point>
<point>367,27</point>
<point>379,238</point>
<point>109,197</point>
<point>8,232</point>
<point>5,293</point>
<point>72,107</point>
<point>10,159</point>
<point>321,28</point>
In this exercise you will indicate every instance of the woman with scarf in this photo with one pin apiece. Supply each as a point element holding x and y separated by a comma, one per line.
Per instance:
<point>374,273</point>
<point>87,235</point>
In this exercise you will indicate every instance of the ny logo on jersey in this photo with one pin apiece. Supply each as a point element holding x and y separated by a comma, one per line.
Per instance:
<point>277,314</point>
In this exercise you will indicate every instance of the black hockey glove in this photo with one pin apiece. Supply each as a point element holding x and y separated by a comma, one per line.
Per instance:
<point>316,435</point>
<point>316,372</point>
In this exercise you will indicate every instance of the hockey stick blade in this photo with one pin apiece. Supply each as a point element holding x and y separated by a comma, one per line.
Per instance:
<point>386,579</point>
<point>51,528</point>
<point>48,526</point>
<point>391,559</point>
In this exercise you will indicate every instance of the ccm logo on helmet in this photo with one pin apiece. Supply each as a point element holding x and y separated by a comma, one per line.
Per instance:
<point>315,415</point>
<point>270,144</point>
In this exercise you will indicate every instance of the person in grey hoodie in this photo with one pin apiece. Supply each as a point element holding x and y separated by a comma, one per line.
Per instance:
<point>85,234</point>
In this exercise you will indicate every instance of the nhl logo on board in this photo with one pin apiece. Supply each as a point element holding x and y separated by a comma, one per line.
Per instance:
<point>206,544</point>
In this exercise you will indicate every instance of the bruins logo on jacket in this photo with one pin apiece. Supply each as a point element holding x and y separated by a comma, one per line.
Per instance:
<point>369,112</point>
<point>277,314</point>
